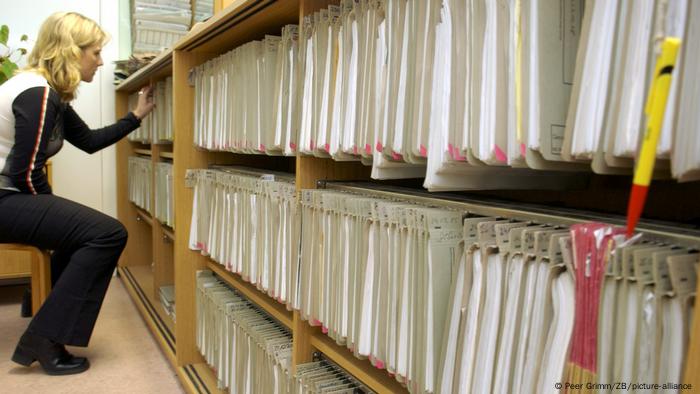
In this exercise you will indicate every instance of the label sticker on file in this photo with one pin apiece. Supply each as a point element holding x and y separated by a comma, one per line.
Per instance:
<point>556,139</point>
<point>471,230</point>
<point>555,254</point>
<point>682,271</point>
<point>190,178</point>
<point>487,232</point>
<point>503,235</point>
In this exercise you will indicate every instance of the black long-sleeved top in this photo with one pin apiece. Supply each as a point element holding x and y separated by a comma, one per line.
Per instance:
<point>33,124</point>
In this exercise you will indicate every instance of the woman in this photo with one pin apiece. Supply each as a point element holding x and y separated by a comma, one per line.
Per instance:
<point>35,118</point>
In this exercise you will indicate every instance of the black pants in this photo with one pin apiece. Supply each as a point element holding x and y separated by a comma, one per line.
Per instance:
<point>86,245</point>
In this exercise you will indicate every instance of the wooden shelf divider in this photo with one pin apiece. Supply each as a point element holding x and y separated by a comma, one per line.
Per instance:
<point>145,216</point>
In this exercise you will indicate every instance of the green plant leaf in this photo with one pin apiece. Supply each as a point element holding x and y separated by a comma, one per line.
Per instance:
<point>24,37</point>
<point>8,68</point>
<point>3,78</point>
<point>4,34</point>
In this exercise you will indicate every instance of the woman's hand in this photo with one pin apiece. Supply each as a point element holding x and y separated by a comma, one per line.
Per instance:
<point>146,103</point>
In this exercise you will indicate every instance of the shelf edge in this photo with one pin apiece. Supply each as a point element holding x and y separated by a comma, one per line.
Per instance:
<point>270,305</point>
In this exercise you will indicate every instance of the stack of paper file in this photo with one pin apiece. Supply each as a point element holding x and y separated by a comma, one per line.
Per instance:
<point>249,350</point>
<point>140,171</point>
<point>245,99</point>
<point>203,10</point>
<point>646,310</point>
<point>144,132</point>
<point>685,154</point>
<point>249,222</point>
<point>158,24</point>
<point>167,298</point>
<point>375,274</point>
<point>162,115</point>
<point>164,201</point>
<point>427,88</point>
<point>451,302</point>
<point>157,127</point>
<point>324,377</point>
<point>607,121</point>
<point>466,96</point>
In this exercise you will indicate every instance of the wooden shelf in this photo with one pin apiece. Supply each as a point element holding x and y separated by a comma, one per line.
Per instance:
<point>199,379</point>
<point>168,232</point>
<point>144,277</point>
<point>145,216</point>
<point>271,306</point>
<point>158,68</point>
<point>146,152</point>
<point>167,155</point>
<point>376,379</point>
<point>138,281</point>
<point>240,22</point>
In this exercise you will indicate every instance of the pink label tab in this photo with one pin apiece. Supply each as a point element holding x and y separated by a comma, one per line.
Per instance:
<point>396,156</point>
<point>368,149</point>
<point>458,156</point>
<point>423,151</point>
<point>379,147</point>
<point>500,155</point>
<point>262,147</point>
<point>522,150</point>
<point>327,147</point>
<point>293,146</point>
<point>354,149</point>
<point>312,145</point>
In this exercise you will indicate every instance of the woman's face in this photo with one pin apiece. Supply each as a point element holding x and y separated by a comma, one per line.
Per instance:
<point>91,60</point>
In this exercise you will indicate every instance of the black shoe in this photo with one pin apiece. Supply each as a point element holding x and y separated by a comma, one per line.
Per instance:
<point>53,357</point>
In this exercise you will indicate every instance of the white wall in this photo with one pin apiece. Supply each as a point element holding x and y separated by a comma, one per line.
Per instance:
<point>87,179</point>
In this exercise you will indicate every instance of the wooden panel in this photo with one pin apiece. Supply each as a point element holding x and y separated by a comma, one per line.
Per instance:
<point>15,264</point>
<point>302,351</point>
<point>271,306</point>
<point>376,379</point>
<point>241,22</point>
<point>163,258</point>
<point>307,7</point>
<point>138,248</point>
<point>144,216</point>
<point>312,169</point>
<point>199,379</point>
<point>133,277</point>
<point>186,262</point>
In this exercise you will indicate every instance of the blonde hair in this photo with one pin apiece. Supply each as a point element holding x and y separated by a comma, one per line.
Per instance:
<point>58,50</point>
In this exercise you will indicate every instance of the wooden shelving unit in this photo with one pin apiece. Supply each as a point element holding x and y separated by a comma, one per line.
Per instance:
<point>271,306</point>
<point>157,255</point>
